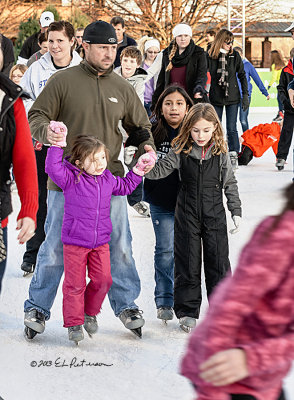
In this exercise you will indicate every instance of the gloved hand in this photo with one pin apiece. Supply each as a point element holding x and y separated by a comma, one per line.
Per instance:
<point>146,160</point>
<point>59,127</point>
<point>245,103</point>
<point>129,154</point>
<point>237,220</point>
<point>137,136</point>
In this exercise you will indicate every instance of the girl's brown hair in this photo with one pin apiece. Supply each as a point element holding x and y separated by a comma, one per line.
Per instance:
<point>160,132</point>
<point>20,67</point>
<point>83,147</point>
<point>221,37</point>
<point>277,59</point>
<point>184,142</point>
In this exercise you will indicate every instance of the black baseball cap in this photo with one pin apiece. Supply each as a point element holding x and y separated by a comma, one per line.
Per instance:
<point>99,32</point>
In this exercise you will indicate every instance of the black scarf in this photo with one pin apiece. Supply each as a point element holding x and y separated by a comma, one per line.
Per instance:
<point>179,60</point>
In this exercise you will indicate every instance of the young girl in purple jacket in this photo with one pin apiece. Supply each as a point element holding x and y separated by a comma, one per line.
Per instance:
<point>87,186</point>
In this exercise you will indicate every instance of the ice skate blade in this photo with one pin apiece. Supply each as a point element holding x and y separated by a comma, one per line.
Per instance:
<point>25,274</point>
<point>29,334</point>
<point>185,328</point>
<point>280,168</point>
<point>137,332</point>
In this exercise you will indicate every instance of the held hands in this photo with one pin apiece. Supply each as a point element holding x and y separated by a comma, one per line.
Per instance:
<point>225,367</point>
<point>146,162</point>
<point>26,226</point>
<point>129,154</point>
<point>56,133</point>
<point>237,220</point>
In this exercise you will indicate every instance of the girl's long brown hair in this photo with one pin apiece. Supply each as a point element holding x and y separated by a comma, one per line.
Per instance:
<point>184,142</point>
<point>222,36</point>
<point>277,59</point>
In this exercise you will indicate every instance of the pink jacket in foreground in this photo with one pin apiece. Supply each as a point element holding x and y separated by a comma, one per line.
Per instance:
<point>253,310</point>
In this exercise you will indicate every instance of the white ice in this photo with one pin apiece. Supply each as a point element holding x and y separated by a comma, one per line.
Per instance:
<point>144,368</point>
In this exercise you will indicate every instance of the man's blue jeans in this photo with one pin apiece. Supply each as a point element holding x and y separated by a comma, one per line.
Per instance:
<point>49,268</point>
<point>163,224</point>
<point>231,125</point>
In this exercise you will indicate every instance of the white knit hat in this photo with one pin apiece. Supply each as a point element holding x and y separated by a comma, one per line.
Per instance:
<point>182,29</point>
<point>152,43</point>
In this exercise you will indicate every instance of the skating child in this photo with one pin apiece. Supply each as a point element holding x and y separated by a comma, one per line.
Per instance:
<point>87,186</point>
<point>256,141</point>
<point>200,155</point>
<point>286,77</point>
<point>244,347</point>
<point>170,110</point>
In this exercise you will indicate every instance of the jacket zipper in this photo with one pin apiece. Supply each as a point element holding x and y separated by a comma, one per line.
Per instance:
<point>97,214</point>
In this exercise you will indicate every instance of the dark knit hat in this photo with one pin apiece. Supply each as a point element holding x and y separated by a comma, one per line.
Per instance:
<point>99,32</point>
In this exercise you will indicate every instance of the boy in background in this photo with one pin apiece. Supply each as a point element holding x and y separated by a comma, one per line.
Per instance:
<point>286,77</point>
<point>131,59</point>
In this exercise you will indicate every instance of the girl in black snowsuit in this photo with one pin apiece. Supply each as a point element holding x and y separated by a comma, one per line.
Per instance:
<point>200,154</point>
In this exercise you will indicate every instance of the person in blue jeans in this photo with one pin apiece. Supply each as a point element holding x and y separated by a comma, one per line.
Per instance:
<point>90,99</point>
<point>169,112</point>
<point>250,72</point>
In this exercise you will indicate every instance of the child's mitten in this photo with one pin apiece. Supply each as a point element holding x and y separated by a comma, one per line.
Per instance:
<point>146,160</point>
<point>237,220</point>
<point>59,127</point>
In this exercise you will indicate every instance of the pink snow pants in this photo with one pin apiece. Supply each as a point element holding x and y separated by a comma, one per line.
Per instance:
<point>80,298</point>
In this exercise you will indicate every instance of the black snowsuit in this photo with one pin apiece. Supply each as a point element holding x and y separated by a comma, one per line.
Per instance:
<point>200,222</point>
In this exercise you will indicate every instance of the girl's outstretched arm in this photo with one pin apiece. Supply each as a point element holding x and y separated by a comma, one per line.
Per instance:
<point>165,166</point>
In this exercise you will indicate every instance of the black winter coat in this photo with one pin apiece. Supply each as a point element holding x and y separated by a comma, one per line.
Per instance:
<point>235,66</point>
<point>196,73</point>
<point>30,46</point>
<point>285,78</point>
<point>11,93</point>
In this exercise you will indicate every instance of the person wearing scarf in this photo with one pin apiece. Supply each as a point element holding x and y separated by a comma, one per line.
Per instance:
<point>183,63</point>
<point>224,65</point>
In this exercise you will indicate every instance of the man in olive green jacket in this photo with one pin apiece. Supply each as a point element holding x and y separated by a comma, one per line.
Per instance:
<point>90,99</point>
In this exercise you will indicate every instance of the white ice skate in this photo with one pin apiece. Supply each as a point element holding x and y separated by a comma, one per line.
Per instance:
<point>187,323</point>
<point>75,333</point>
<point>165,314</point>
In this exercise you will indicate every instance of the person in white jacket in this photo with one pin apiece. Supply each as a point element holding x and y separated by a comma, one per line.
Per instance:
<point>60,55</point>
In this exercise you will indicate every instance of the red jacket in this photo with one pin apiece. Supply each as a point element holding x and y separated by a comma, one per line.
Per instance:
<point>253,310</point>
<point>24,165</point>
<point>262,137</point>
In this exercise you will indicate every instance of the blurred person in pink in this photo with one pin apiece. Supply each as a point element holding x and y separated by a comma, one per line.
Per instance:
<point>244,347</point>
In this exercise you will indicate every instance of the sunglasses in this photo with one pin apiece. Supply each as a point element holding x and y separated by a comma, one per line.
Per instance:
<point>229,42</point>
<point>152,52</point>
<point>79,37</point>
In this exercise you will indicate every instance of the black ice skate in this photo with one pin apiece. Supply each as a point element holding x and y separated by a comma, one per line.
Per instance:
<point>90,324</point>
<point>28,268</point>
<point>165,314</point>
<point>133,320</point>
<point>35,320</point>
<point>76,334</point>
<point>280,164</point>
<point>29,333</point>
<point>187,323</point>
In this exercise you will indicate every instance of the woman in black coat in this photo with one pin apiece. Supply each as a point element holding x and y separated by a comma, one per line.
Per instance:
<point>183,63</point>
<point>223,64</point>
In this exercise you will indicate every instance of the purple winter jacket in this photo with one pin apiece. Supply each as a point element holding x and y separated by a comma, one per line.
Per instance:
<point>86,220</point>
